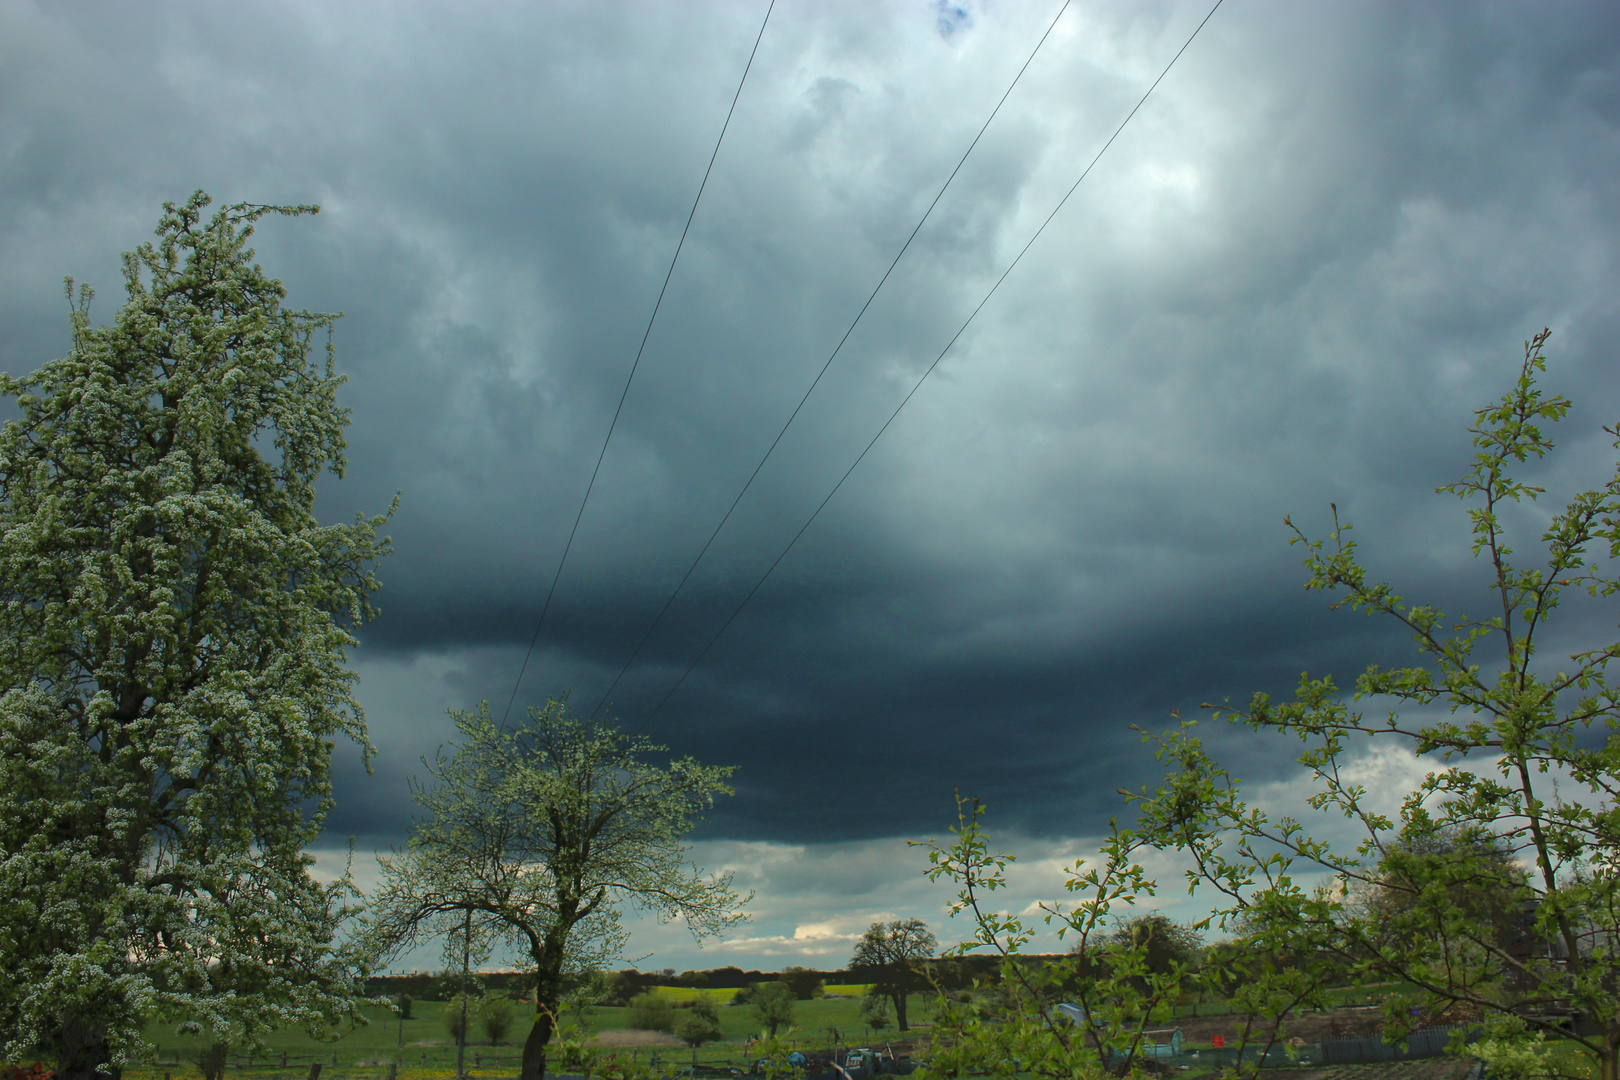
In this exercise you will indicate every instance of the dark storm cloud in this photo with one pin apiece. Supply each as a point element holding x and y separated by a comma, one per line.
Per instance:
<point>1311,255</point>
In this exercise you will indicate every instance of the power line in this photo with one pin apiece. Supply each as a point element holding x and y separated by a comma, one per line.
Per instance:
<point>612,425</point>
<point>817,380</point>
<point>918,385</point>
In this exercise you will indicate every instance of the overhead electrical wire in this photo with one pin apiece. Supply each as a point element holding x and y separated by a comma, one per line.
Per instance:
<point>614,423</point>
<point>657,619</point>
<point>930,370</point>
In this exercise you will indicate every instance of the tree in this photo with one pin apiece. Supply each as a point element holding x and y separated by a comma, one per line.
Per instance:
<point>176,624</point>
<point>700,1024</point>
<point>875,1010</point>
<point>611,988</point>
<point>1013,1023</point>
<point>1495,888</point>
<point>1493,901</point>
<point>772,1005</point>
<point>495,1014</point>
<point>543,833</point>
<point>804,983</point>
<point>888,951</point>
<point>1165,945</point>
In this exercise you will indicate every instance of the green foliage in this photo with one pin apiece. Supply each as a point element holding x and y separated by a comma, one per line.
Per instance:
<point>1012,1025</point>
<point>403,1003</point>
<point>699,1024</point>
<point>611,988</point>
<point>450,981</point>
<point>890,951</point>
<point>454,1010</point>
<point>495,1015</point>
<point>1166,945</point>
<point>804,983</point>
<point>174,678</point>
<point>1496,886</point>
<point>575,1052</point>
<point>538,836</point>
<point>875,1010</point>
<point>772,1005</point>
<point>650,1012</point>
<point>772,1058</point>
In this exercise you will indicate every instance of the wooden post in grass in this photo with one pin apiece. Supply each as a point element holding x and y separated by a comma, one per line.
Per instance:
<point>314,1071</point>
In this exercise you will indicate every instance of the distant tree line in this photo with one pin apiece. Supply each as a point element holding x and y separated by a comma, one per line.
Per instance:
<point>948,973</point>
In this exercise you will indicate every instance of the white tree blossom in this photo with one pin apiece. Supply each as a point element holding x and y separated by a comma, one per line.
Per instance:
<point>542,834</point>
<point>172,679</point>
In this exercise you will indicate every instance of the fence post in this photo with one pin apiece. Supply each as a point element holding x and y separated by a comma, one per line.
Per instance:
<point>393,1071</point>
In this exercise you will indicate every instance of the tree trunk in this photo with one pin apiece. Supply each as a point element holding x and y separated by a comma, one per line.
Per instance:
<point>548,963</point>
<point>80,1047</point>
<point>213,1061</point>
<point>899,998</point>
<point>534,1047</point>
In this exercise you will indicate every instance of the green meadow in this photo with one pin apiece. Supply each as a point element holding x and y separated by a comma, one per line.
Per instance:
<point>422,1048</point>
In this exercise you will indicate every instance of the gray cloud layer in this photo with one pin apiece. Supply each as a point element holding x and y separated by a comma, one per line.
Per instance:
<point>1306,261</point>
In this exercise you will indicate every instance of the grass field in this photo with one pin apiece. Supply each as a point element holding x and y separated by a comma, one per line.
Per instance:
<point>423,1049</point>
<point>687,993</point>
<point>848,989</point>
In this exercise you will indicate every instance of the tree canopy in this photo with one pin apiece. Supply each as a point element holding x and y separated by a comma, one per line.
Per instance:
<point>1492,889</point>
<point>176,623</point>
<point>1488,891</point>
<point>543,833</point>
<point>889,951</point>
<point>772,1005</point>
<point>1164,944</point>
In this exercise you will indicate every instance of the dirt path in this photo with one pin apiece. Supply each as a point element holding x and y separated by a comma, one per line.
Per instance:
<point>1422,1069</point>
<point>635,1038</point>
<point>1306,1027</point>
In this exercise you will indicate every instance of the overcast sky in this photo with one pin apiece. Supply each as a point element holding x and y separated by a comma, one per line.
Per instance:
<point>1315,250</point>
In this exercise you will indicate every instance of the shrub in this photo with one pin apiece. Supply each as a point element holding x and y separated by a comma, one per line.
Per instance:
<point>649,1012</point>
<point>452,1014</point>
<point>496,1017</point>
<point>701,1024</point>
<point>875,1010</point>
